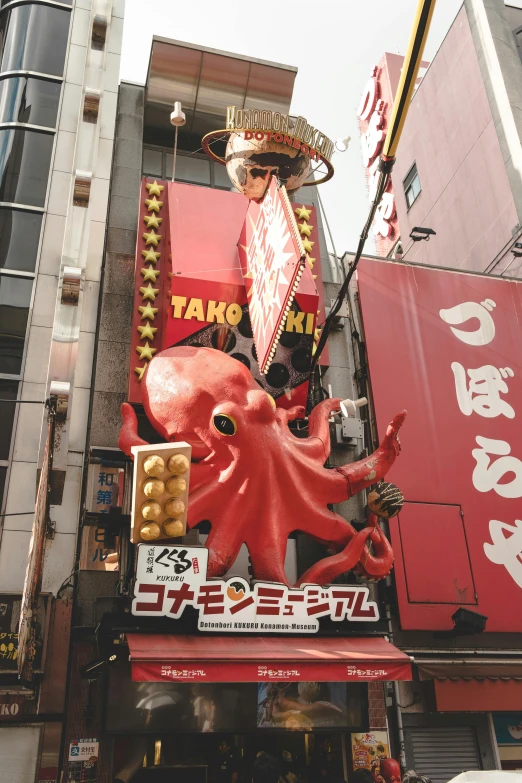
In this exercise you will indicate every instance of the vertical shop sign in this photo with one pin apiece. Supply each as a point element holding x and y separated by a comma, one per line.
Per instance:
<point>373,114</point>
<point>33,575</point>
<point>272,258</point>
<point>104,492</point>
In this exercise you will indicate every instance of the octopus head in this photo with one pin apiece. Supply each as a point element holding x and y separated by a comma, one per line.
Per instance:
<point>203,396</point>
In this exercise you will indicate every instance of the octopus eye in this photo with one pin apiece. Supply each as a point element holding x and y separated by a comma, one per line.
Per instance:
<point>225,425</point>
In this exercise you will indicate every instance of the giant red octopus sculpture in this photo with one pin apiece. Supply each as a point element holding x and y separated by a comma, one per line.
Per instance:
<point>251,477</point>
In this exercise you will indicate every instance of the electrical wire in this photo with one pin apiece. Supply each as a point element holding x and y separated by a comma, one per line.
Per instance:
<point>409,73</point>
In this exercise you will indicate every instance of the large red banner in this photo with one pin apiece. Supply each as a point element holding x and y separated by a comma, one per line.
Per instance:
<point>446,346</point>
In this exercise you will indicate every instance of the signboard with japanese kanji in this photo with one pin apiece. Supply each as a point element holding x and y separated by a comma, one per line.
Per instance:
<point>169,579</point>
<point>450,353</point>
<point>99,550</point>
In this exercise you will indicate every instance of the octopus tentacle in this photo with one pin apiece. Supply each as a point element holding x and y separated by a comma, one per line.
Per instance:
<point>319,427</point>
<point>329,529</point>
<point>379,564</point>
<point>327,569</point>
<point>129,430</point>
<point>361,475</point>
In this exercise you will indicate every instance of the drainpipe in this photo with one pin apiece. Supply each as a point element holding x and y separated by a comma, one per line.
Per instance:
<point>396,701</point>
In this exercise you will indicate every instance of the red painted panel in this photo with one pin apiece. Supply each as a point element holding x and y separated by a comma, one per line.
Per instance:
<point>445,576</point>
<point>478,695</point>
<point>413,355</point>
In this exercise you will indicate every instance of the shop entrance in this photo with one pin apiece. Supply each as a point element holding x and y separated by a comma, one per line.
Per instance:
<point>228,758</point>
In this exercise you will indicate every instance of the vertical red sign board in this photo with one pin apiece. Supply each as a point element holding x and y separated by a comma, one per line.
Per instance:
<point>446,346</point>
<point>273,261</point>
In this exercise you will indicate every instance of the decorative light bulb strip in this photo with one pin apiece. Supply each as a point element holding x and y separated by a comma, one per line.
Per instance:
<point>150,275</point>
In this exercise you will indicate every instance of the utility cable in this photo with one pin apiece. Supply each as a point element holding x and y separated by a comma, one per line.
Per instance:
<point>409,73</point>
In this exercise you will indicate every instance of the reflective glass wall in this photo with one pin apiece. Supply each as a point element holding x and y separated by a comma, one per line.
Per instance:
<point>33,46</point>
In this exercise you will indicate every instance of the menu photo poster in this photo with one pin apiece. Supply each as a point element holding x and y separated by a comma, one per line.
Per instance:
<point>368,748</point>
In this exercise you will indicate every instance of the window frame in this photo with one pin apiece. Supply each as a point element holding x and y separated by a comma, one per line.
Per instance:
<point>181,153</point>
<point>413,173</point>
<point>11,6</point>
<point>8,75</point>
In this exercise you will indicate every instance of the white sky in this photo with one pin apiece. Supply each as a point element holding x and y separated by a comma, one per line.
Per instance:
<point>333,43</point>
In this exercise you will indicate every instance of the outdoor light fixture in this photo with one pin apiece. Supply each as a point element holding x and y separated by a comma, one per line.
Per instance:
<point>341,145</point>
<point>517,249</point>
<point>94,669</point>
<point>177,117</point>
<point>465,623</point>
<point>417,233</point>
<point>349,407</point>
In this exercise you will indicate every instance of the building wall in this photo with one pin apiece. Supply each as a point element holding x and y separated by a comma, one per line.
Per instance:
<point>451,135</point>
<point>59,339</point>
<point>115,316</point>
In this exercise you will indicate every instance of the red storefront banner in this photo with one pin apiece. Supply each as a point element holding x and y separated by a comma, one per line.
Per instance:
<point>446,346</point>
<point>272,258</point>
<point>164,658</point>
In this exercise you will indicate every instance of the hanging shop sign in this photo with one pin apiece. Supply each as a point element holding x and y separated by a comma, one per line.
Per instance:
<point>169,579</point>
<point>373,114</point>
<point>198,297</point>
<point>262,143</point>
<point>461,381</point>
<point>273,260</point>
<point>104,491</point>
<point>27,629</point>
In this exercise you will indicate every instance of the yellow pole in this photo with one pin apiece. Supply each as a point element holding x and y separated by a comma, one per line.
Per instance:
<point>409,73</point>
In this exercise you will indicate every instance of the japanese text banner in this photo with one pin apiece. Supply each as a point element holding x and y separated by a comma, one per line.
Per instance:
<point>450,353</point>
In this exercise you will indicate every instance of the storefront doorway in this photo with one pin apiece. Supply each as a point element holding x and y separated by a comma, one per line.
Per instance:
<point>304,757</point>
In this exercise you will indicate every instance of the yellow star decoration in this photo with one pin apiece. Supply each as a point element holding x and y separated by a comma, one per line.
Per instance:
<point>147,311</point>
<point>153,205</point>
<point>305,228</point>
<point>148,292</point>
<point>150,255</point>
<point>311,261</point>
<point>151,238</point>
<point>147,332</point>
<point>152,221</point>
<point>146,351</point>
<point>149,273</point>
<point>154,189</point>
<point>303,213</point>
<point>139,371</point>
<point>308,245</point>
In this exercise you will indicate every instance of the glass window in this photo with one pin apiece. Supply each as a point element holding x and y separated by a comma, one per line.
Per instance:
<point>15,298</point>
<point>189,169</point>
<point>19,237</point>
<point>412,185</point>
<point>34,38</point>
<point>221,178</point>
<point>8,391</point>
<point>23,99</point>
<point>152,162</point>
<point>25,158</point>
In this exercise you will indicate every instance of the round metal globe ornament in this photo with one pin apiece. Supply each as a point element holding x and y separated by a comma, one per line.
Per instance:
<point>264,143</point>
<point>250,164</point>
